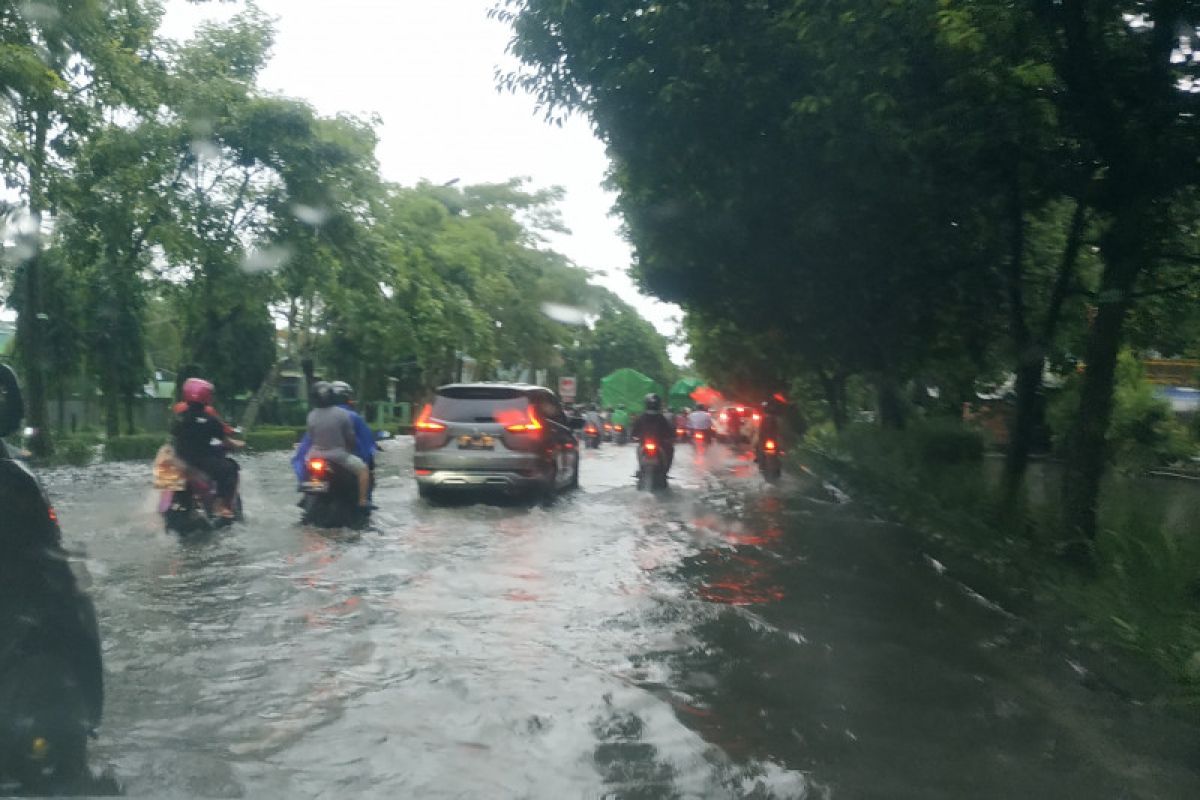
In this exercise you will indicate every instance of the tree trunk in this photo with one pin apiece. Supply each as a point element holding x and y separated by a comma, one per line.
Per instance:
<point>112,413</point>
<point>1087,455</point>
<point>309,377</point>
<point>129,426</point>
<point>1030,415</point>
<point>250,415</point>
<point>891,407</point>
<point>30,322</point>
<point>834,386</point>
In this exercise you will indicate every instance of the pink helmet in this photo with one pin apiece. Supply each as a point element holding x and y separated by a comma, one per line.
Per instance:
<point>197,390</point>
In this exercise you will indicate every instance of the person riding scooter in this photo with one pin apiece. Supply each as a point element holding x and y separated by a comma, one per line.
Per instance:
<point>365,445</point>
<point>620,422</point>
<point>201,439</point>
<point>700,422</point>
<point>331,431</point>
<point>655,426</point>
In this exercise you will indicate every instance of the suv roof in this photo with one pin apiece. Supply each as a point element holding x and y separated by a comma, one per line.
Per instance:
<point>519,387</point>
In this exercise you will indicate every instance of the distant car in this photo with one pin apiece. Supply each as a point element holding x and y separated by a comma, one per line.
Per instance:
<point>507,437</point>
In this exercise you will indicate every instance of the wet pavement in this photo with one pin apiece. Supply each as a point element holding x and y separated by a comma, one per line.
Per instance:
<point>724,639</point>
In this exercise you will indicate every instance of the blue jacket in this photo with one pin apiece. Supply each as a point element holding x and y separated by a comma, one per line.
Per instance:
<point>364,446</point>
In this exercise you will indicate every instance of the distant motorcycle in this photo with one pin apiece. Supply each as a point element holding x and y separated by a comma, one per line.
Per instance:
<point>652,466</point>
<point>188,496</point>
<point>620,434</point>
<point>330,495</point>
<point>770,460</point>
<point>591,434</point>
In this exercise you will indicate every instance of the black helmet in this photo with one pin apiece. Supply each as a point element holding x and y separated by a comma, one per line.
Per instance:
<point>653,402</point>
<point>322,392</point>
<point>343,392</point>
<point>701,407</point>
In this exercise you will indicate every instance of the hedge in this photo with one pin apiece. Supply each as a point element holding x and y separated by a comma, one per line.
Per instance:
<point>133,448</point>
<point>263,439</point>
<point>945,442</point>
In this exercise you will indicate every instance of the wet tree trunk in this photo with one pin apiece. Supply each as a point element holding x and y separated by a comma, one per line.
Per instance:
<point>891,407</point>
<point>834,386</point>
<point>1029,423</point>
<point>1087,454</point>
<point>130,429</point>
<point>1028,355</point>
<point>250,415</point>
<point>30,322</point>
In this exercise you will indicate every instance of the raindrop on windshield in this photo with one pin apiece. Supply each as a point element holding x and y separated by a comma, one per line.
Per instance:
<point>205,149</point>
<point>310,215</point>
<point>266,259</point>
<point>567,315</point>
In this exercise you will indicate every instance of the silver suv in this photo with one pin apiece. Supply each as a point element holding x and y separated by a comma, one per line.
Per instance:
<point>503,436</point>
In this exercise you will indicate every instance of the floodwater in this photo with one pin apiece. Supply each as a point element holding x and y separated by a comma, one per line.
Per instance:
<point>724,639</point>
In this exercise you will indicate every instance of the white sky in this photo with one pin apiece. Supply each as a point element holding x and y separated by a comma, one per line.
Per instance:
<point>427,69</point>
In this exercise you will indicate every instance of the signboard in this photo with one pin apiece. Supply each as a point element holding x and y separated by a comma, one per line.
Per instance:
<point>566,389</point>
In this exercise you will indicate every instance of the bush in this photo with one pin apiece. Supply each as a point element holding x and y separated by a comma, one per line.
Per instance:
<point>1144,432</point>
<point>263,440</point>
<point>947,442</point>
<point>77,451</point>
<point>133,448</point>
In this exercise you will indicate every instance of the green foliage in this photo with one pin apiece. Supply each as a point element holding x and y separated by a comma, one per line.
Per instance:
<point>138,447</point>
<point>77,450</point>
<point>1144,433</point>
<point>262,440</point>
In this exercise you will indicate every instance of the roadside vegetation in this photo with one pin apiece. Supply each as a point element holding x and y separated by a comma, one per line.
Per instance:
<point>895,209</point>
<point>165,213</point>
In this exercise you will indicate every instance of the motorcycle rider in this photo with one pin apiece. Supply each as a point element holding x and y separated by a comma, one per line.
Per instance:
<point>654,425</point>
<point>620,417</point>
<point>769,427</point>
<point>700,421</point>
<point>194,433</point>
<point>51,674</point>
<point>591,416</point>
<point>331,432</point>
<point>364,438</point>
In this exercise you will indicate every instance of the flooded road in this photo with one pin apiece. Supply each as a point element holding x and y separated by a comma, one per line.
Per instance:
<point>724,639</point>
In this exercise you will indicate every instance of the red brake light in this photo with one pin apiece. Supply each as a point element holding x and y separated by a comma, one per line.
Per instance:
<point>770,446</point>
<point>620,427</point>
<point>53,516</point>
<point>425,424</point>
<point>590,429</point>
<point>651,446</point>
<point>699,435</point>
<point>316,466</point>
<point>757,417</point>
<point>531,425</point>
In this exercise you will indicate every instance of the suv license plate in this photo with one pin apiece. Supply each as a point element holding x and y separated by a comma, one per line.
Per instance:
<point>476,443</point>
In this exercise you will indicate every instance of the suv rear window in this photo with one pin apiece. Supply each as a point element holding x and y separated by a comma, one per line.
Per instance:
<point>478,404</point>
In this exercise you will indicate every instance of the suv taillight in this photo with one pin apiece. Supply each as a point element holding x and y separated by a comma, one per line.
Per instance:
<point>425,424</point>
<point>529,425</point>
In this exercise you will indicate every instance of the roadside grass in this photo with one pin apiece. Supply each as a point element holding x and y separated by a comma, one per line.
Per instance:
<point>1144,596</point>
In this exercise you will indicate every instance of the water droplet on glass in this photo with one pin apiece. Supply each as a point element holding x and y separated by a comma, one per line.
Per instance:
<point>205,149</point>
<point>266,259</point>
<point>310,215</point>
<point>567,315</point>
<point>41,13</point>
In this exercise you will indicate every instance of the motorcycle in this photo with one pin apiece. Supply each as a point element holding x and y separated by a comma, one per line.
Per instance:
<point>700,438</point>
<point>330,495</point>
<point>591,435</point>
<point>188,503</point>
<point>608,431</point>
<point>652,466</point>
<point>620,434</point>
<point>770,460</point>
<point>51,674</point>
